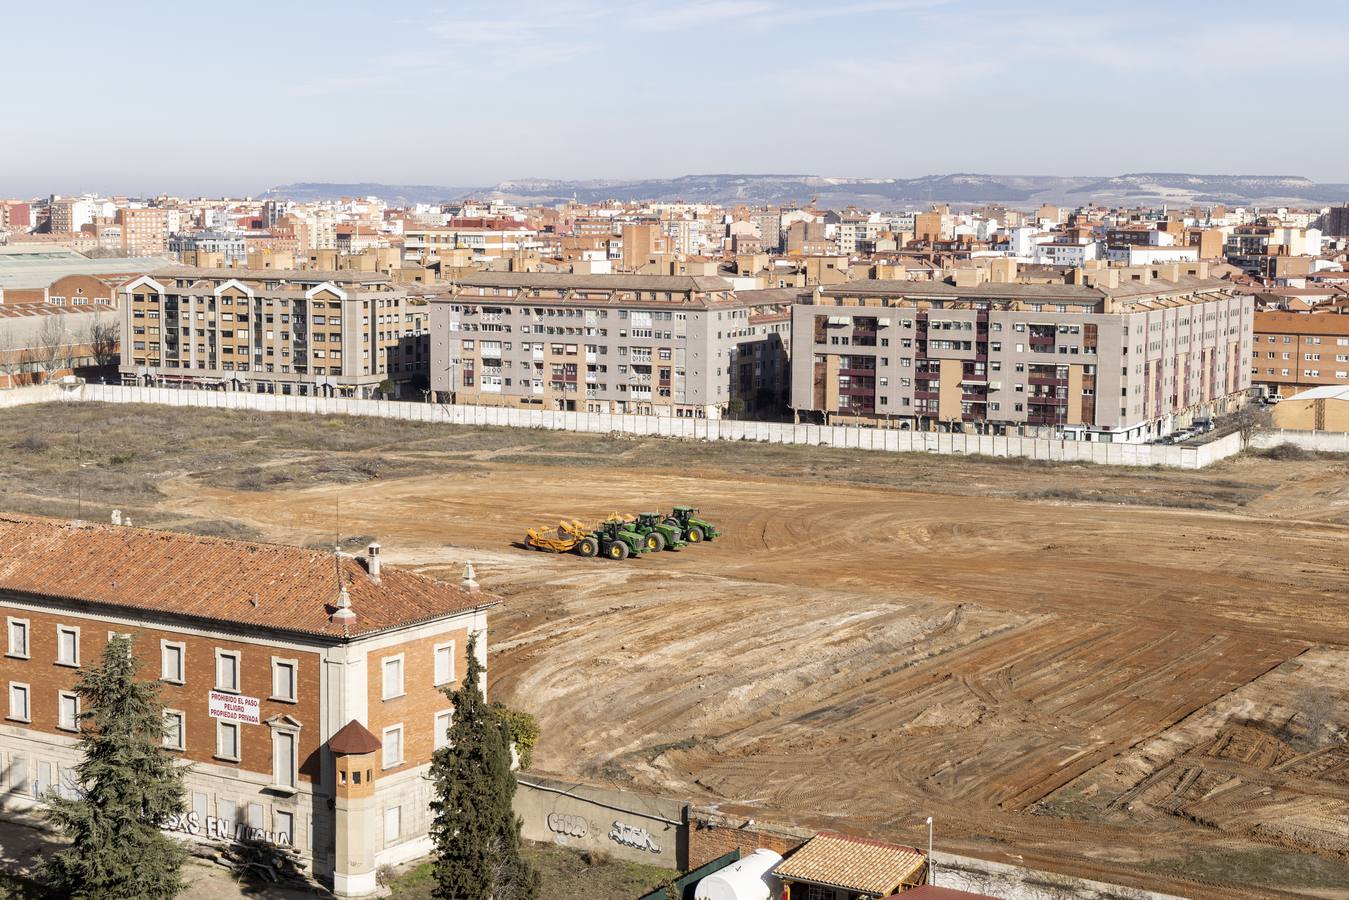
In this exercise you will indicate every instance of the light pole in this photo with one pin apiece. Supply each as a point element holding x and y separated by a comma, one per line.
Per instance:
<point>930,878</point>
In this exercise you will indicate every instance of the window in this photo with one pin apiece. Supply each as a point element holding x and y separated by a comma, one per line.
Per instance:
<point>67,645</point>
<point>284,758</point>
<point>444,663</point>
<point>174,733</point>
<point>18,638</point>
<point>283,679</point>
<point>393,824</point>
<point>227,741</point>
<point>18,774</point>
<point>228,813</point>
<point>19,709</point>
<point>172,657</point>
<point>285,827</point>
<point>227,671</point>
<point>69,716</point>
<point>393,746</point>
<point>442,728</point>
<point>393,677</point>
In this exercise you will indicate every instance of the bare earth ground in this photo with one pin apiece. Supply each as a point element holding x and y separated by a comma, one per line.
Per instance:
<point>1133,675</point>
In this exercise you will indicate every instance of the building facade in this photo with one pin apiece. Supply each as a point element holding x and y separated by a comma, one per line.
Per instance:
<point>309,333</point>
<point>1117,360</point>
<point>1295,351</point>
<point>641,344</point>
<point>305,689</point>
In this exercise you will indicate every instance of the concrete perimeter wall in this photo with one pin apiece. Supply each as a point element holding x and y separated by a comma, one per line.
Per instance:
<point>622,824</point>
<point>689,429</point>
<point>1319,441</point>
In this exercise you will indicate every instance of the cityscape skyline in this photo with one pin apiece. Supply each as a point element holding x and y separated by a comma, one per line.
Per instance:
<point>869,88</point>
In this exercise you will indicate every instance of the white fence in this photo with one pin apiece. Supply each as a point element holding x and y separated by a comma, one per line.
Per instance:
<point>888,440</point>
<point>1319,441</point>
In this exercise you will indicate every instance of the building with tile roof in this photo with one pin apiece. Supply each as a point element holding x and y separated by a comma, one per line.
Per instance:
<point>832,866</point>
<point>305,688</point>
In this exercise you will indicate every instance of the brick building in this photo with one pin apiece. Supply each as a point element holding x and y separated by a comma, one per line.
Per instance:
<point>303,687</point>
<point>1294,351</point>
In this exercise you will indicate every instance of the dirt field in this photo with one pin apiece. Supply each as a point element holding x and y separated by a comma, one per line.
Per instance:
<point>1133,675</point>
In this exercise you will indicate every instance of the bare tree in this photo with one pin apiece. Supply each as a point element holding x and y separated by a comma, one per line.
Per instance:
<point>48,346</point>
<point>11,357</point>
<point>103,340</point>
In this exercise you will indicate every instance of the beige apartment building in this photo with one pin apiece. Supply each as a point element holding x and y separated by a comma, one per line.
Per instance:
<point>274,331</point>
<point>1124,355</point>
<point>683,346</point>
<point>145,231</point>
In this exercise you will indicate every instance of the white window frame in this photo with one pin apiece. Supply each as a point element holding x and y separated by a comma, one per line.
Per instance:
<point>289,780</point>
<point>387,762</point>
<point>238,670</point>
<point>27,629</point>
<point>221,726</point>
<point>384,664</point>
<point>397,821</point>
<point>164,647</point>
<point>442,737</point>
<point>62,697</point>
<point>294,666</point>
<point>61,632</point>
<point>287,833</point>
<point>27,702</point>
<point>182,730</point>
<point>435,660</point>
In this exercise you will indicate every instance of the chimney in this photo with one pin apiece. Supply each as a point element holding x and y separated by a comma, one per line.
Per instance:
<point>372,561</point>
<point>470,583</point>
<point>117,517</point>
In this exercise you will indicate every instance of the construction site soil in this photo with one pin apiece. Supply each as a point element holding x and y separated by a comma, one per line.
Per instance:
<point>1131,675</point>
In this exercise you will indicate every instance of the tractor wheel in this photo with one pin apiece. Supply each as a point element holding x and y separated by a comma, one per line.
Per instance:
<point>672,522</point>
<point>655,542</point>
<point>695,535</point>
<point>617,550</point>
<point>587,548</point>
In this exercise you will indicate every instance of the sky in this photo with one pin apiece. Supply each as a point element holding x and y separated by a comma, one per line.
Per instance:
<point>233,98</point>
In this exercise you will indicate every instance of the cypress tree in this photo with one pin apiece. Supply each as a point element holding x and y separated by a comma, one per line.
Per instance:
<point>127,786</point>
<point>474,828</point>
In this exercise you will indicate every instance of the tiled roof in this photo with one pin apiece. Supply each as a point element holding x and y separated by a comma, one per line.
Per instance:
<point>852,863</point>
<point>256,585</point>
<point>933,892</point>
<point>353,739</point>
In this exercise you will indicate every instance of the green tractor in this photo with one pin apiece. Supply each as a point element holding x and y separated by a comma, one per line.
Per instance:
<point>618,540</point>
<point>658,534</point>
<point>694,529</point>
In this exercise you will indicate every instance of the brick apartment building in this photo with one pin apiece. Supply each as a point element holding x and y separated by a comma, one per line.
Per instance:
<point>1129,356</point>
<point>303,687</point>
<point>145,230</point>
<point>1295,351</point>
<point>684,346</point>
<point>275,331</point>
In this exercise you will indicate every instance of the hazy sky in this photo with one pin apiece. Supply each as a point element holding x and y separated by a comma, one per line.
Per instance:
<point>141,97</point>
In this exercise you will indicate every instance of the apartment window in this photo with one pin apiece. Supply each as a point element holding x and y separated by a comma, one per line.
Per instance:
<point>69,712</point>
<point>444,663</point>
<point>227,741</point>
<point>227,671</point>
<point>18,638</point>
<point>393,746</point>
<point>442,728</point>
<point>67,645</point>
<point>19,708</point>
<point>172,660</point>
<point>393,677</point>
<point>174,732</point>
<point>285,758</point>
<point>283,679</point>
<point>393,824</point>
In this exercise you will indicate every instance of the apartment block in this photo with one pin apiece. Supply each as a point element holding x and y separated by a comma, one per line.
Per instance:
<point>303,689</point>
<point>145,230</point>
<point>1295,351</point>
<point>642,344</point>
<point>276,331</point>
<point>1114,355</point>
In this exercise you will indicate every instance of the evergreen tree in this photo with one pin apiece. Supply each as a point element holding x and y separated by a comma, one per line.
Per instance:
<point>475,829</point>
<point>127,786</point>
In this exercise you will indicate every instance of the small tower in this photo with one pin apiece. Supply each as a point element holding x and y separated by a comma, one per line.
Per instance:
<point>355,816</point>
<point>470,582</point>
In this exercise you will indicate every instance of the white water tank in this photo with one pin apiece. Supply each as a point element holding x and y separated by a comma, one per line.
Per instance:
<point>748,879</point>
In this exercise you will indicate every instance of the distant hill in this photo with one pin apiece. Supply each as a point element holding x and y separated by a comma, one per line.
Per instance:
<point>1143,188</point>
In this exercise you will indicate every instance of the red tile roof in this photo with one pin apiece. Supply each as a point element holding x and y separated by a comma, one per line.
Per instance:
<point>270,586</point>
<point>852,863</point>
<point>353,738</point>
<point>933,892</point>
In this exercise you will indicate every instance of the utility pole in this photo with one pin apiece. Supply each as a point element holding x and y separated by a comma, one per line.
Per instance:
<point>931,878</point>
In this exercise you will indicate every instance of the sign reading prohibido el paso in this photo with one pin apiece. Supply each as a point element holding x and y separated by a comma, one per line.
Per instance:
<point>235,708</point>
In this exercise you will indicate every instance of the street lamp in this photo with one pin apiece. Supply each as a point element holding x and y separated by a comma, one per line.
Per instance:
<point>930,878</point>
